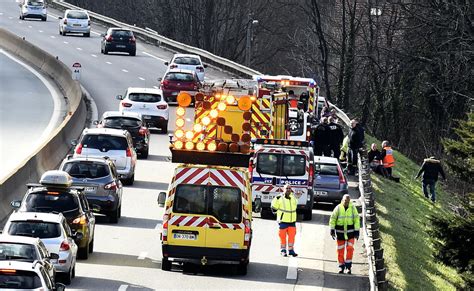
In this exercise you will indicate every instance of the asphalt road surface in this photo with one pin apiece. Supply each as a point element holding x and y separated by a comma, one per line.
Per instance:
<point>127,255</point>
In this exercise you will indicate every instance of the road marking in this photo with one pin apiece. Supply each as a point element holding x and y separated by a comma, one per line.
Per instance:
<point>53,16</point>
<point>95,32</point>
<point>65,42</point>
<point>79,49</point>
<point>158,226</point>
<point>292,273</point>
<point>29,26</point>
<point>52,36</point>
<point>1,13</point>
<point>142,255</point>
<point>123,287</point>
<point>40,30</point>
<point>109,63</point>
<point>10,17</point>
<point>95,56</point>
<point>156,87</point>
<point>125,71</point>
<point>143,79</point>
<point>155,57</point>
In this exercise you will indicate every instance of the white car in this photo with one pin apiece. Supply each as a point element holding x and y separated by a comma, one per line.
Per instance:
<point>52,229</point>
<point>149,102</point>
<point>27,249</point>
<point>26,276</point>
<point>116,144</point>
<point>75,21</point>
<point>33,9</point>
<point>188,62</point>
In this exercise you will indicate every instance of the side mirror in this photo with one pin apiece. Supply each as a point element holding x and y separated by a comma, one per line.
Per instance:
<point>161,199</point>
<point>59,287</point>
<point>102,34</point>
<point>205,66</point>
<point>95,208</point>
<point>119,97</point>
<point>257,205</point>
<point>274,181</point>
<point>60,17</point>
<point>15,204</point>
<point>95,122</point>
<point>53,256</point>
<point>167,63</point>
<point>77,236</point>
<point>74,142</point>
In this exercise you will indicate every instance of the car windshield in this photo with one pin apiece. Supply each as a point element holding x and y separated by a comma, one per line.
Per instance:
<point>87,169</point>
<point>53,201</point>
<point>35,3</point>
<point>121,122</point>
<point>104,142</point>
<point>144,97</point>
<point>224,203</point>
<point>37,229</point>
<point>17,251</point>
<point>77,15</point>
<point>326,169</point>
<point>121,33</point>
<point>183,77</point>
<point>281,164</point>
<point>19,279</point>
<point>187,61</point>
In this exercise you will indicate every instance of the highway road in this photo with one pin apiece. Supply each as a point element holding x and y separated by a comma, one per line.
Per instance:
<point>127,256</point>
<point>23,127</point>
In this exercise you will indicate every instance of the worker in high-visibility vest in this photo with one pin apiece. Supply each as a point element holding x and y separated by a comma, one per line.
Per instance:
<point>285,207</point>
<point>345,225</point>
<point>388,161</point>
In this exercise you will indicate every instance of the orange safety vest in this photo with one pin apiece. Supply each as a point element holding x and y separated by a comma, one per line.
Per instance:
<point>293,103</point>
<point>388,160</point>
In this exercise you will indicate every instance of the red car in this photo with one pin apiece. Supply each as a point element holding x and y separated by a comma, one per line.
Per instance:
<point>177,80</point>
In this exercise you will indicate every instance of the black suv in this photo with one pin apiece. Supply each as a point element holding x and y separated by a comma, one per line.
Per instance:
<point>133,123</point>
<point>55,194</point>
<point>118,40</point>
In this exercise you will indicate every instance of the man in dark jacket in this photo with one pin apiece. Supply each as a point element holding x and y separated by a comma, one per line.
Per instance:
<point>335,136</point>
<point>430,169</point>
<point>356,141</point>
<point>320,138</point>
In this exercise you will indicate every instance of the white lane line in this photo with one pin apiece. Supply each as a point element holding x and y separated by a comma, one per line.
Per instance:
<point>123,287</point>
<point>52,36</point>
<point>10,17</point>
<point>95,56</point>
<point>292,273</point>
<point>79,49</point>
<point>156,87</point>
<point>109,63</point>
<point>53,16</point>
<point>141,78</point>
<point>142,255</point>
<point>158,226</point>
<point>155,57</point>
<point>125,71</point>
<point>95,32</point>
<point>29,26</point>
<point>1,13</point>
<point>65,42</point>
<point>40,30</point>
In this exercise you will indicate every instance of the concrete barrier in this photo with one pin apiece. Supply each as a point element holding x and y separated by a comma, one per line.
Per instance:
<point>49,154</point>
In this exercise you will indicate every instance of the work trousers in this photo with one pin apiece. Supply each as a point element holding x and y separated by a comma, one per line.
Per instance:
<point>336,150</point>
<point>289,232</point>
<point>346,246</point>
<point>352,161</point>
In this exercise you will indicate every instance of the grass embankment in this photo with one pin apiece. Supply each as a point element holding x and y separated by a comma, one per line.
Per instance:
<point>403,213</point>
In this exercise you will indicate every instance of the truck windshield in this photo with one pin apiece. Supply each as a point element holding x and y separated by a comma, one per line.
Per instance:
<point>224,203</point>
<point>281,164</point>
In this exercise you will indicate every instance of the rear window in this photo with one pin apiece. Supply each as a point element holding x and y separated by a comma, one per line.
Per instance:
<point>65,203</point>
<point>19,280</point>
<point>184,77</point>
<point>35,3</point>
<point>281,164</point>
<point>104,142</point>
<point>187,61</point>
<point>120,122</point>
<point>326,169</point>
<point>224,203</point>
<point>144,97</point>
<point>121,33</point>
<point>77,15</point>
<point>83,169</point>
<point>17,251</point>
<point>37,229</point>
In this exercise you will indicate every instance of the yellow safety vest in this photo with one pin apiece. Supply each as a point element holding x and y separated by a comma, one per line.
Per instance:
<point>286,208</point>
<point>345,221</point>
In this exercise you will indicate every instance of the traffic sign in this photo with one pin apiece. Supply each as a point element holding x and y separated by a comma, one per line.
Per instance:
<point>76,71</point>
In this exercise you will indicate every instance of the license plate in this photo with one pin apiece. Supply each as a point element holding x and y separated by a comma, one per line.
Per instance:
<point>185,236</point>
<point>321,193</point>
<point>89,189</point>
<point>146,117</point>
<point>76,25</point>
<point>120,46</point>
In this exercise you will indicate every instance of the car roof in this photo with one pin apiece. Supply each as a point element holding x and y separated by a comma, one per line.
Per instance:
<point>186,56</point>
<point>108,131</point>
<point>76,10</point>
<point>144,90</point>
<point>120,28</point>
<point>48,217</point>
<point>21,266</point>
<point>19,239</point>
<point>327,160</point>
<point>130,114</point>
<point>87,159</point>
<point>180,71</point>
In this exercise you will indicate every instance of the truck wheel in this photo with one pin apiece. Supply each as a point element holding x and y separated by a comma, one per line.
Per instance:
<point>242,269</point>
<point>308,214</point>
<point>164,127</point>
<point>165,264</point>
<point>144,154</point>
<point>114,215</point>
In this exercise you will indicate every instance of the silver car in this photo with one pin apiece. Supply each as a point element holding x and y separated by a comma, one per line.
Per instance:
<point>75,21</point>
<point>330,183</point>
<point>101,183</point>
<point>33,9</point>
<point>115,144</point>
<point>54,232</point>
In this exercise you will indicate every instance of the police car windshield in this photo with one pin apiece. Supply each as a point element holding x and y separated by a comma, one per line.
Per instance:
<point>281,164</point>
<point>20,280</point>
<point>37,229</point>
<point>224,203</point>
<point>17,251</point>
<point>65,203</point>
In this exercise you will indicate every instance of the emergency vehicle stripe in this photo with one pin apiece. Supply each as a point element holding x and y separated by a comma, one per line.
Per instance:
<point>199,221</point>
<point>195,174</point>
<point>187,221</point>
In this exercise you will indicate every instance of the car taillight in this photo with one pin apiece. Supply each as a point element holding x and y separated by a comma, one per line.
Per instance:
<point>165,83</point>
<point>247,233</point>
<point>342,179</point>
<point>129,152</point>
<point>79,149</point>
<point>142,131</point>
<point>109,38</point>
<point>125,104</point>
<point>111,186</point>
<point>80,220</point>
<point>64,246</point>
<point>132,39</point>
<point>200,69</point>
<point>162,107</point>
<point>164,234</point>
<point>311,175</point>
<point>173,66</point>
<point>88,23</point>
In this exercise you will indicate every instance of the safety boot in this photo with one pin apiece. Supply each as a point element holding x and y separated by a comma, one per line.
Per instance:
<point>283,252</point>
<point>292,253</point>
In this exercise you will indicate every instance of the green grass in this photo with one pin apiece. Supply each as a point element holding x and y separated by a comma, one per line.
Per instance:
<point>403,214</point>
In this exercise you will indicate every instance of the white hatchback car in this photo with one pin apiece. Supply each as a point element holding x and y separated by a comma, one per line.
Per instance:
<point>33,9</point>
<point>75,21</point>
<point>149,102</point>
<point>116,144</point>
<point>188,62</point>
<point>26,276</point>
<point>54,232</point>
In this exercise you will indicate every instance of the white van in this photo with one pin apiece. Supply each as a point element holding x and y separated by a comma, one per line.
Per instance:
<point>33,9</point>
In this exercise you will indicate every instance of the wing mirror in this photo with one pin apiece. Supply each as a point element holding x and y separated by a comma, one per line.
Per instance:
<point>119,97</point>
<point>95,122</point>
<point>161,199</point>
<point>102,34</point>
<point>15,204</point>
<point>74,142</point>
<point>77,236</point>
<point>205,66</point>
<point>53,256</point>
<point>60,17</point>
<point>274,181</point>
<point>167,63</point>
<point>257,207</point>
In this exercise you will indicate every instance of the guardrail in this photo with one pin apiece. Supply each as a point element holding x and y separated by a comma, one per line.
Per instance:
<point>49,154</point>
<point>370,223</point>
